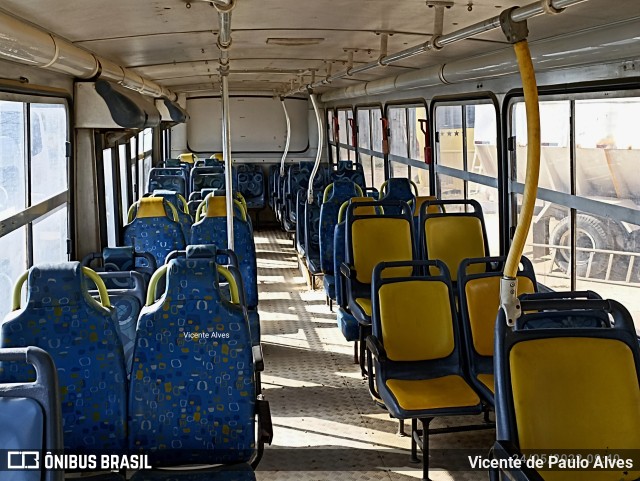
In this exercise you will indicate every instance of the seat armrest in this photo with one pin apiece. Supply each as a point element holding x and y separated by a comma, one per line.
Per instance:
<point>347,271</point>
<point>376,348</point>
<point>505,450</point>
<point>258,358</point>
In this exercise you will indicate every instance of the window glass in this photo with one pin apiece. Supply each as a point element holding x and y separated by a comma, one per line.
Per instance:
<point>48,127</point>
<point>482,158</point>
<point>417,142</point>
<point>376,130</point>
<point>330,132</point>
<point>124,184</point>
<point>607,159</point>
<point>449,128</point>
<point>548,244</point>
<point>555,155</point>
<point>364,141</point>
<point>13,263</point>
<point>12,158</point>
<point>109,196</point>
<point>398,169</point>
<point>398,127</point>
<point>50,237</point>
<point>550,257</point>
<point>345,134</point>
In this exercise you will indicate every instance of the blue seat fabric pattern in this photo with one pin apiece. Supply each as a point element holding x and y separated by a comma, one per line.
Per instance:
<point>61,317</point>
<point>192,400</point>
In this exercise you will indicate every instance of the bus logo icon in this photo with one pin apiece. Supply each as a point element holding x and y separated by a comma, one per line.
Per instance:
<point>23,460</point>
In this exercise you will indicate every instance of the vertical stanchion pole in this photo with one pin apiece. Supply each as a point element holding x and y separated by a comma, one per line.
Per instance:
<point>226,152</point>
<point>286,147</point>
<point>314,102</point>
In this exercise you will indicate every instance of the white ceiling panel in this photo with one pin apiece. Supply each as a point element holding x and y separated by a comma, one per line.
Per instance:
<point>175,45</point>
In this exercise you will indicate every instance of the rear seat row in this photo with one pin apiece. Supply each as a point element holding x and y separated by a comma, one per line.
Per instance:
<point>187,176</point>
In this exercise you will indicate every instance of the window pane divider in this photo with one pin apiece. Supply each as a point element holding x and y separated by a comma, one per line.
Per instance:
<point>33,213</point>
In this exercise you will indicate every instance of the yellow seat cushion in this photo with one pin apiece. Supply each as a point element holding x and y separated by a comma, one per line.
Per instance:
<point>488,380</point>
<point>365,305</point>
<point>438,393</point>
<point>576,394</point>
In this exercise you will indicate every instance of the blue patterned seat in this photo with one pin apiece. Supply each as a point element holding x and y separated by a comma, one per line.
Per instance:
<point>349,171</point>
<point>193,390</point>
<point>346,322</point>
<point>212,229</point>
<point>152,231</point>
<point>298,179</point>
<point>176,179</point>
<point>342,191</point>
<point>398,188</point>
<point>312,234</point>
<point>127,303</point>
<point>80,335</point>
<point>181,207</point>
<point>251,185</point>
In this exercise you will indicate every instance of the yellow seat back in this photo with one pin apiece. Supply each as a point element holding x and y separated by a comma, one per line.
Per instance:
<point>452,238</point>
<point>151,207</point>
<point>188,158</point>
<point>380,239</point>
<point>483,301</point>
<point>576,393</point>
<point>432,209</point>
<point>364,210</point>
<point>410,330</point>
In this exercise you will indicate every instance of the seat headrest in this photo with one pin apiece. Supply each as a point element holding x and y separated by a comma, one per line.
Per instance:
<point>399,186</point>
<point>170,196</point>
<point>217,156</point>
<point>206,192</point>
<point>345,165</point>
<point>121,257</point>
<point>151,207</point>
<point>343,189</point>
<point>364,210</point>
<point>216,206</point>
<point>201,251</point>
<point>192,279</point>
<point>56,285</point>
<point>189,158</point>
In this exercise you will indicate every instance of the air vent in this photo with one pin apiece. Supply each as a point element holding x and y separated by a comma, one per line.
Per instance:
<point>295,42</point>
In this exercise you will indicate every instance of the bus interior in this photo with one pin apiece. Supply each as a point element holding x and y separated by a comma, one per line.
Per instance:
<point>356,240</point>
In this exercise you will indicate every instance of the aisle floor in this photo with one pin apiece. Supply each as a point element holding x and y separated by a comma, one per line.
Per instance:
<point>326,427</point>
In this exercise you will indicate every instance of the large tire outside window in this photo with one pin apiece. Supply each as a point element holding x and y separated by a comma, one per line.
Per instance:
<point>592,233</point>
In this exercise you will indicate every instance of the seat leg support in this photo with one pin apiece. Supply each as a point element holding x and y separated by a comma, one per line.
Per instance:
<point>425,448</point>
<point>414,443</point>
<point>355,353</point>
<point>401,431</point>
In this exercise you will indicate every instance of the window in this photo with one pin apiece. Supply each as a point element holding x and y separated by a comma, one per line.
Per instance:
<point>467,160</point>
<point>125,192</point>
<point>370,145</point>
<point>407,143</point>
<point>33,188</point>
<point>601,188</point>
<point>109,197</point>
<point>332,136</point>
<point>345,135</point>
